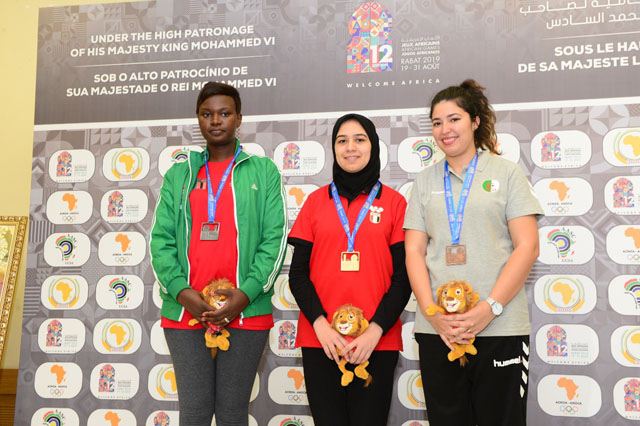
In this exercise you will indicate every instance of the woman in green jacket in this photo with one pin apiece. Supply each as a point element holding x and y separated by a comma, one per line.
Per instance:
<point>225,220</point>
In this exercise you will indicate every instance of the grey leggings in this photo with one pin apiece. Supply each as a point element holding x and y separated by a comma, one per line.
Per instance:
<point>221,386</point>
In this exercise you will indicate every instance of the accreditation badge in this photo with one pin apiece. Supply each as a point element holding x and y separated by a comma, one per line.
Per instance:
<point>350,261</point>
<point>210,231</point>
<point>456,254</point>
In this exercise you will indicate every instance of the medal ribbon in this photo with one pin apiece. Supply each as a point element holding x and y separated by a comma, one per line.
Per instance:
<point>351,237</point>
<point>212,201</point>
<point>455,221</point>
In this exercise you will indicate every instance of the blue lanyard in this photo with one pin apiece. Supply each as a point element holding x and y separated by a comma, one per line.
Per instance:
<point>351,237</point>
<point>212,201</point>
<point>455,222</point>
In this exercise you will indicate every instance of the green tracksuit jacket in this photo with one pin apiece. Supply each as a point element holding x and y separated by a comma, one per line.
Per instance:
<point>261,220</point>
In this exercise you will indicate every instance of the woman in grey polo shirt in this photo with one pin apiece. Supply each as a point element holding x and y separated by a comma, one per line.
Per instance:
<point>491,242</point>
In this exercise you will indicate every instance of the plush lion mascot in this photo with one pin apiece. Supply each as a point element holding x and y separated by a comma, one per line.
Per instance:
<point>215,337</point>
<point>350,322</point>
<point>456,297</point>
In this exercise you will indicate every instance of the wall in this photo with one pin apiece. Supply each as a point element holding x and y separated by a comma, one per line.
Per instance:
<point>18,50</point>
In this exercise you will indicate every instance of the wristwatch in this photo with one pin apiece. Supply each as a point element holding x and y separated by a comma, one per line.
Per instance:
<point>496,307</point>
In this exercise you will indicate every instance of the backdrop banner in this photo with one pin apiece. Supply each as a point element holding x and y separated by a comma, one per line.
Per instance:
<point>115,109</point>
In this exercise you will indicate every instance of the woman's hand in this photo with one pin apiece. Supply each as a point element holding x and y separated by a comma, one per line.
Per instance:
<point>236,301</point>
<point>446,327</point>
<point>473,321</point>
<point>360,349</point>
<point>193,303</point>
<point>329,338</point>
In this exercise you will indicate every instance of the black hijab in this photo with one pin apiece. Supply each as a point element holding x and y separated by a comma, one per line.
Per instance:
<point>350,185</point>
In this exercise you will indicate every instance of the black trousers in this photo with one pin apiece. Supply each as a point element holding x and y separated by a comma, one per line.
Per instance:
<point>491,390</point>
<point>353,405</point>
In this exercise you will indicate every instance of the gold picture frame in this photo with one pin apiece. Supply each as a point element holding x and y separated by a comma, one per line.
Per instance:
<point>12,244</point>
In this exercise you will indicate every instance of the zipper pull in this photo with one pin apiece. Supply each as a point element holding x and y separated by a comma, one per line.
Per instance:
<point>241,317</point>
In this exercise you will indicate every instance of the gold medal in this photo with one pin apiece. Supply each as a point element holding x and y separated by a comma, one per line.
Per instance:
<point>456,254</point>
<point>350,261</point>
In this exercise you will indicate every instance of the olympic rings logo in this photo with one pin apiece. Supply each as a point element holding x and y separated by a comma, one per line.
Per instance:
<point>569,409</point>
<point>121,260</point>
<point>56,392</point>
<point>635,257</point>
<point>68,219</point>
<point>295,398</point>
<point>560,209</point>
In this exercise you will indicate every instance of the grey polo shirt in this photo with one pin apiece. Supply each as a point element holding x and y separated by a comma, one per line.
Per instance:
<point>500,192</point>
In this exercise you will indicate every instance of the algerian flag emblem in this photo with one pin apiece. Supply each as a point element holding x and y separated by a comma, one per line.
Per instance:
<point>491,185</point>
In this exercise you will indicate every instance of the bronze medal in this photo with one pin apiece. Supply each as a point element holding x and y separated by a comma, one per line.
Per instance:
<point>456,254</point>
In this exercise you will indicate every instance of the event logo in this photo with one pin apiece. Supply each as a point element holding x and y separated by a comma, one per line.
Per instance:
<point>124,206</point>
<point>564,196</point>
<point>563,240</point>
<point>630,343</point>
<point>632,395</point>
<point>564,294</point>
<point>569,396</point>
<point>282,339</point>
<point>73,165</point>
<point>54,333</point>
<point>291,158</point>
<point>120,289</point>
<point>48,416</point>
<point>550,148</point>
<point>125,164</point>
<point>104,417</point>
<point>416,153</point>
<point>122,248</point>
<point>162,383</point>
<point>119,336</point>
<point>299,158</point>
<point>561,149</point>
<point>63,292</point>
<point>623,244</point>
<point>61,336</point>
<point>122,292</point>
<point>556,341</point>
<point>162,418</point>
<point>282,297</point>
<point>425,150</point>
<point>626,147</point>
<point>410,390</point>
<point>296,197</point>
<point>370,47</point>
<point>114,207</point>
<point>63,168</point>
<point>107,381</point>
<point>567,344</point>
<point>114,381</point>
<point>174,155</point>
<point>58,380</point>
<point>287,335</point>
<point>66,249</point>
<point>624,294</point>
<point>66,244</point>
<point>623,194</point>
<point>632,288</point>
<point>179,155</point>
<point>69,207</point>
<point>286,386</point>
